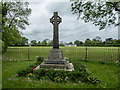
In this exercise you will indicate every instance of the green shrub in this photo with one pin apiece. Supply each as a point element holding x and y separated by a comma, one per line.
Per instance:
<point>39,59</point>
<point>59,79</point>
<point>2,47</point>
<point>31,67</point>
<point>24,72</point>
<point>51,74</point>
<point>28,70</point>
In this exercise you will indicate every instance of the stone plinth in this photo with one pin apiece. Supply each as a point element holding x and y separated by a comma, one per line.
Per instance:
<point>55,54</point>
<point>55,61</point>
<point>57,65</point>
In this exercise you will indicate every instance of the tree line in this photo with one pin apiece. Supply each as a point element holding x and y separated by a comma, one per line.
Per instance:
<point>41,43</point>
<point>94,42</point>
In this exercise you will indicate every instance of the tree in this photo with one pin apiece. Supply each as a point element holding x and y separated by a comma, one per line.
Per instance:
<point>98,38</point>
<point>81,42</point>
<point>3,46</point>
<point>14,17</point>
<point>24,41</point>
<point>100,13</point>
<point>44,42</point>
<point>70,43</point>
<point>50,43</point>
<point>109,39</point>
<point>11,37</point>
<point>115,42</point>
<point>118,41</point>
<point>33,42</point>
<point>61,43</point>
<point>94,40</point>
<point>39,43</point>
<point>88,42</point>
<point>77,42</point>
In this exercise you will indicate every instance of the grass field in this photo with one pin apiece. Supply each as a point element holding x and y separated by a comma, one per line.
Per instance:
<point>76,53</point>
<point>107,74</point>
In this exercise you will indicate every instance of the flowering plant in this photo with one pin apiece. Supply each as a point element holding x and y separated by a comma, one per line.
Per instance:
<point>92,80</point>
<point>66,58</point>
<point>30,75</point>
<point>58,79</point>
<point>33,69</point>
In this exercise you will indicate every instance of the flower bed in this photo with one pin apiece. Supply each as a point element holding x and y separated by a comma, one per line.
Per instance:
<point>80,74</point>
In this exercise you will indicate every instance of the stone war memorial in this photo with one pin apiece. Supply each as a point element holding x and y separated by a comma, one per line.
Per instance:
<point>76,55</point>
<point>55,59</point>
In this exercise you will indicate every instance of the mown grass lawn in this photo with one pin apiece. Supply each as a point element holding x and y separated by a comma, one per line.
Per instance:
<point>107,74</point>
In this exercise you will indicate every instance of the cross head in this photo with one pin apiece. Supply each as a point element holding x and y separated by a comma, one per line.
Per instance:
<point>55,19</point>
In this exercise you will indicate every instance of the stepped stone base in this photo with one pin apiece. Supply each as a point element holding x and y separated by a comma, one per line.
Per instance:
<point>47,61</point>
<point>56,66</point>
<point>55,61</point>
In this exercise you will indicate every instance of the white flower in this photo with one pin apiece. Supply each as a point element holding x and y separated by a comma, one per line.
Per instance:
<point>117,61</point>
<point>66,58</point>
<point>16,74</point>
<point>37,56</point>
<point>66,78</point>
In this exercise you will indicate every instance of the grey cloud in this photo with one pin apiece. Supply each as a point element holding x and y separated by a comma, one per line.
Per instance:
<point>62,7</point>
<point>70,29</point>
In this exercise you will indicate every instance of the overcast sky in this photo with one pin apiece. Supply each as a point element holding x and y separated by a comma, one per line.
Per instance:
<point>70,29</point>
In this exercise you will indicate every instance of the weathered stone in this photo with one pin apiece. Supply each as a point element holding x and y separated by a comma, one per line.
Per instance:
<point>55,54</point>
<point>67,67</point>
<point>53,66</point>
<point>55,59</point>
<point>55,20</point>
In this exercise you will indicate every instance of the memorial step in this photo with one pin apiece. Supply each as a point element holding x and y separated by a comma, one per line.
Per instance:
<point>55,61</point>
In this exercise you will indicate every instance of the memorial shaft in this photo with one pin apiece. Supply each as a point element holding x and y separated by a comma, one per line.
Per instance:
<point>55,37</point>
<point>55,20</point>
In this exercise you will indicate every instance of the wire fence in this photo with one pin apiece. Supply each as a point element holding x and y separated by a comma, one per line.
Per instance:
<point>110,54</point>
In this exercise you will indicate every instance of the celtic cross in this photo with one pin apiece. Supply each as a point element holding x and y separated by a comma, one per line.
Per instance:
<point>55,20</point>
